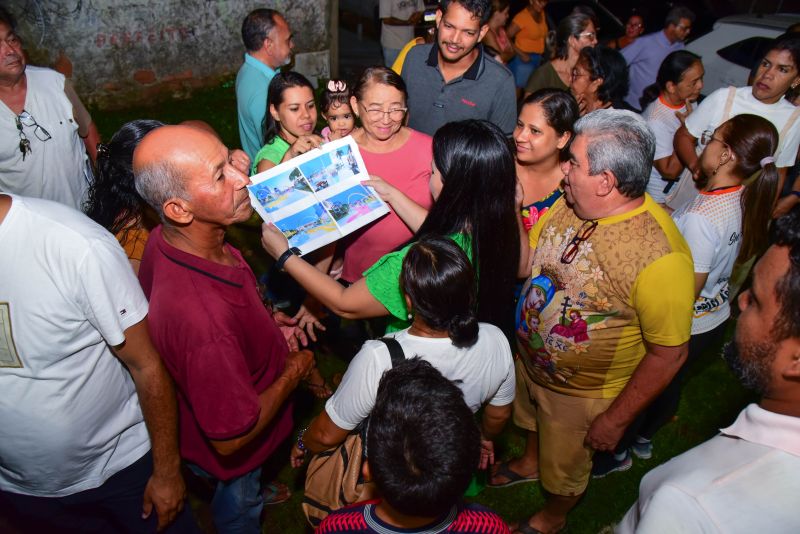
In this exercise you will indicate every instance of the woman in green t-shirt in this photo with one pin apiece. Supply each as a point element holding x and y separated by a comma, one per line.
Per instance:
<point>289,122</point>
<point>474,185</point>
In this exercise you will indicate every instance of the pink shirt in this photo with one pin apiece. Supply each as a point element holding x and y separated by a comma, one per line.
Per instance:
<point>409,169</point>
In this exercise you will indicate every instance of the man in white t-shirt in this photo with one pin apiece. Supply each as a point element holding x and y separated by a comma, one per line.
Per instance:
<point>46,131</point>
<point>747,478</point>
<point>398,18</point>
<point>779,71</point>
<point>84,391</point>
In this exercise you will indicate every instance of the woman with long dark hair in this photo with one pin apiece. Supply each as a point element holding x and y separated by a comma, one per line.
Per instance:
<point>474,184</point>
<point>725,224</point>
<point>289,122</point>
<point>438,282</point>
<point>113,202</point>
<point>666,104</point>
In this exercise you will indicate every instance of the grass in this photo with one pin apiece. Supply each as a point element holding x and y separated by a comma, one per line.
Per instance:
<point>711,399</point>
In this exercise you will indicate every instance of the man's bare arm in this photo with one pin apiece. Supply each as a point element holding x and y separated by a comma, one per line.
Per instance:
<point>87,130</point>
<point>684,145</point>
<point>298,365</point>
<point>656,370</point>
<point>165,490</point>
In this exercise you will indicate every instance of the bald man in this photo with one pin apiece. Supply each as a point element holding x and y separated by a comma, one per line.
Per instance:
<point>223,347</point>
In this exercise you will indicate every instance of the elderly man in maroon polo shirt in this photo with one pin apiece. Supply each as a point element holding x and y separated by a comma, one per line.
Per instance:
<point>224,349</point>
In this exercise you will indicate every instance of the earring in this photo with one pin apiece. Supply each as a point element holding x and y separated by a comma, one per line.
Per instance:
<point>721,163</point>
<point>410,316</point>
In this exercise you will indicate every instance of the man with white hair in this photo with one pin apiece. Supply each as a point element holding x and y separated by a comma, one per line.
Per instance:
<point>598,334</point>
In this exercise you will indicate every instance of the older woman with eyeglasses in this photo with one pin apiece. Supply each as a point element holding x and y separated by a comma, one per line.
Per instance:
<point>393,151</point>
<point>599,79</point>
<point>634,28</point>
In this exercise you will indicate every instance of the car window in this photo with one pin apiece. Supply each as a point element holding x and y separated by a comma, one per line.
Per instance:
<point>746,53</point>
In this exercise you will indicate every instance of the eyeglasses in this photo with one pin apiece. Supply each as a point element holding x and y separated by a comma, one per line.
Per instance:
<point>588,35</point>
<point>584,232</point>
<point>577,74</point>
<point>396,114</point>
<point>634,24</point>
<point>26,119</point>
<point>681,27</point>
<point>708,136</point>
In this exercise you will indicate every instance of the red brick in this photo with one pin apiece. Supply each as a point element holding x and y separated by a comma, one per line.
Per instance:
<point>144,77</point>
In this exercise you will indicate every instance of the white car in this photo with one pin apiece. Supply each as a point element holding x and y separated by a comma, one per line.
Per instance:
<point>735,45</point>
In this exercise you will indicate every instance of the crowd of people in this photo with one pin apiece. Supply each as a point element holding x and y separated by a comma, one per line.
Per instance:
<point>566,235</point>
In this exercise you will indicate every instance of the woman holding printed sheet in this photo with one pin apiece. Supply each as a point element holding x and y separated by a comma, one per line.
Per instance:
<point>474,183</point>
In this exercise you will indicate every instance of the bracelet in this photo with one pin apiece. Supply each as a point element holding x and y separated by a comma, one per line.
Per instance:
<point>300,444</point>
<point>293,251</point>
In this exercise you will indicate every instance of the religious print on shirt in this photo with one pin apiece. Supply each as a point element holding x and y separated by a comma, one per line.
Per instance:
<point>578,324</point>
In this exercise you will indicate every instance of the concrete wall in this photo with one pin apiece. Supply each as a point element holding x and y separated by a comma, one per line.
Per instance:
<point>120,52</point>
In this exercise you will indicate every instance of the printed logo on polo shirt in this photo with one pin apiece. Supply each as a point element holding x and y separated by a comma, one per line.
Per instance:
<point>468,102</point>
<point>122,312</point>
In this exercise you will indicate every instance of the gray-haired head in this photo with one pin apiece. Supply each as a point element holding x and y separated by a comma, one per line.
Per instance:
<point>621,142</point>
<point>256,27</point>
<point>158,182</point>
<point>677,13</point>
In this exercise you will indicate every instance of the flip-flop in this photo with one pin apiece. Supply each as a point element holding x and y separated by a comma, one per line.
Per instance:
<point>513,477</point>
<point>275,493</point>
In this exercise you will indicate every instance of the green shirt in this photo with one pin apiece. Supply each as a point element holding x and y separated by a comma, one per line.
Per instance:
<point>383,281</point>
<point>272,151</point>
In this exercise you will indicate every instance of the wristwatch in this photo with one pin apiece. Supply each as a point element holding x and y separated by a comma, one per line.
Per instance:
<point>293,251</point>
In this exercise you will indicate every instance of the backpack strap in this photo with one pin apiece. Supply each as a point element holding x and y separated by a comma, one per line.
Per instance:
<point>395,350</point>
<point>783,135</point>
<point>726,113</point>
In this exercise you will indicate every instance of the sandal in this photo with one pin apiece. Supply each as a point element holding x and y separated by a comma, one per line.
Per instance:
<point>275,493</point>
<point>513,477</point>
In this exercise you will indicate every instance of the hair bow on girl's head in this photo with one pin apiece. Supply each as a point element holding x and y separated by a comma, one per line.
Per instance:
<point>337,86</point>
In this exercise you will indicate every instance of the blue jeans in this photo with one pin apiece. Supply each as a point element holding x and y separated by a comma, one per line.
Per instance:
<point>237,503</point>
<point>522,70</point>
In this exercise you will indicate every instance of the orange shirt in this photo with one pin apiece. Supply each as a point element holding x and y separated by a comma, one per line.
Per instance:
<point>532,34</point>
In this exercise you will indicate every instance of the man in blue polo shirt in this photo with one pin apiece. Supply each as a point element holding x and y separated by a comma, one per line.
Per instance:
<point>645,54</point>
<point>268,40</point>
<point>454,79</point>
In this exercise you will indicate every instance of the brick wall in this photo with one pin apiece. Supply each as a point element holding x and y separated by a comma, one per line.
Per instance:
<point>119,52</point>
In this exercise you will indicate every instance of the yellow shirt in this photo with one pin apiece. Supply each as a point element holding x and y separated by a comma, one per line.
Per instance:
<point>397,66</point>
<point>532,34</point>
<point>582,326</point>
